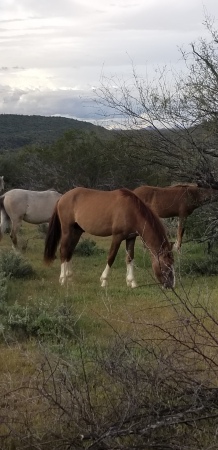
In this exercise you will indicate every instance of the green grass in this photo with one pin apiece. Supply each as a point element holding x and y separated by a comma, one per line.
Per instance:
<point>117,304</point>
<point>96,318</point>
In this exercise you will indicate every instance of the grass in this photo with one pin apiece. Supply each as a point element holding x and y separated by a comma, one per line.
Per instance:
<point>100,315</point>
<point>117,304</point>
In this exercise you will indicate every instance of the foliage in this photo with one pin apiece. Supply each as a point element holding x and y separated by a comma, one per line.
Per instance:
<point>202,265</point>
<point>38,319</point>
<point>3,284</point>
<point>89,158</point>
<point>115,368</point>
<point>87,247</point>
<point>18,131</point>
<point>134,393</point>
<point>179,109</point>
<point>14,265</point>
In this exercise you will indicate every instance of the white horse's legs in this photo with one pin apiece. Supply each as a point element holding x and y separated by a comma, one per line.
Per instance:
<point>130,280</point>
<point>66,272</point>
<point>115,245</point>
<point>104,276</point>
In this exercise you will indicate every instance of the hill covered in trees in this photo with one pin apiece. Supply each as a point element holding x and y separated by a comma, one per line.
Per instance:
<point>39,152</point>
<point>18,131</point>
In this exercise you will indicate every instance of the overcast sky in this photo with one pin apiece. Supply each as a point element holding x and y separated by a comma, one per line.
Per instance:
<point>54,52</point>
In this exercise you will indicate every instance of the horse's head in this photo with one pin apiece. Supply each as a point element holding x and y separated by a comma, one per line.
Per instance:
<point>162,265</point>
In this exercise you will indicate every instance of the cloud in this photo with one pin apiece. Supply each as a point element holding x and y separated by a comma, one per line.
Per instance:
<point>51,49</point>
<point>69,103</point>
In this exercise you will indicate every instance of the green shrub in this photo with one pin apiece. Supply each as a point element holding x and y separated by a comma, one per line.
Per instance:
<point>87,247</point>
<point>43,228</point>
<point>14,265</point>
<point>196,261</point>
<point>40,320</point>
<point>207,266</point>
<point>3,285</point>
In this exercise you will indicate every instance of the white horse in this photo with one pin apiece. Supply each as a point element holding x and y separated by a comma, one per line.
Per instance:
<point>2,184</point>
<point>31,206</point>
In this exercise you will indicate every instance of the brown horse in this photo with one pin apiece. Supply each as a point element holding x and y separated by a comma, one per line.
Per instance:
<point>176,201</point>
<point>119,214</point>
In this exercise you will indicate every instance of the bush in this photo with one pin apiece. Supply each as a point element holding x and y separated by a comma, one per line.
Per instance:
<point>43,228</point>
<point>87,247</point>
<point>207,266</point>
<point>40,320</point>
<point>3,285</point>
<point>12,264</point>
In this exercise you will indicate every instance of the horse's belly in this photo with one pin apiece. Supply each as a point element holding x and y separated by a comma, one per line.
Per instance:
<point>37,213</point>
<point>36,221</point>
<point>96,230</point>
<point>37,217</point>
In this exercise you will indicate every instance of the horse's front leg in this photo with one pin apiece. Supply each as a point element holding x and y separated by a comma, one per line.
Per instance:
<point>15,226</point>
<point>180,232</point>
<point>115,245</point>
<point>66,272</point>
<point>130,280</point>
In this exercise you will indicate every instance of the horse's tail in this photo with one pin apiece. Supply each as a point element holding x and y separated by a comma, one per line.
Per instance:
<point>5,219</point>
<point>52,237</point>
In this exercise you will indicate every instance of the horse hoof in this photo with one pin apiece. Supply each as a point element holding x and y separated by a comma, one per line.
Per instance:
<point>103,283</point>
<point>131,283</point>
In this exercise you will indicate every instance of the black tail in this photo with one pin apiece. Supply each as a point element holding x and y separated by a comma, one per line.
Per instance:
<point>3,220</point>
<point>52,238</point>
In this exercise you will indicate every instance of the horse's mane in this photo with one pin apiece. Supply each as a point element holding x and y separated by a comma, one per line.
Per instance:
<point>147,212</point>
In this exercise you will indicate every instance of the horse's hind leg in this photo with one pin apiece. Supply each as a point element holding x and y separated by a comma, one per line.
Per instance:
<point>130,280</point>
<point>115,245</point>
<point>69,240</point>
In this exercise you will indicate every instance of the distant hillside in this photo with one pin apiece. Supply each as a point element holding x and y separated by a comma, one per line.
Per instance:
<point>17,131</point>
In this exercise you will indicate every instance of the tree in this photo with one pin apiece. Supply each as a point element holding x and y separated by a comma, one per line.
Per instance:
<point>179,109</point>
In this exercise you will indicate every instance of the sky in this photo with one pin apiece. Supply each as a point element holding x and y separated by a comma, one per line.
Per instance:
<point>55,53</point>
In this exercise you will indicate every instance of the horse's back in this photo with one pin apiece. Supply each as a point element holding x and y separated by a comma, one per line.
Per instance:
<point>99,213</point>
<point>166,201</point>
<point>40,206</point>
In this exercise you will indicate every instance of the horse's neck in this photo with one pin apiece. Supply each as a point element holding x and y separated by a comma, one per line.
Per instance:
<point>152,234</point>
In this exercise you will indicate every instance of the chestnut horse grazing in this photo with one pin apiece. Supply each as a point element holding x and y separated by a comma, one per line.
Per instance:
<point>176,201</point>
<point>119,214</point>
